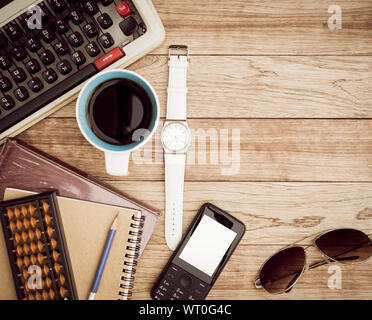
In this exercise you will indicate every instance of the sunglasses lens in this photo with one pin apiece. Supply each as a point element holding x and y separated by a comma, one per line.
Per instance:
<point>345,245</point>
<point>281,271</point>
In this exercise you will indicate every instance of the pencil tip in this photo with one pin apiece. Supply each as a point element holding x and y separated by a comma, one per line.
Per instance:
<point>114,224</point>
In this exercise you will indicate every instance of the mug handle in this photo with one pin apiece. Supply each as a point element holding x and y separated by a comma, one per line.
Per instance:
<point>117,163</point>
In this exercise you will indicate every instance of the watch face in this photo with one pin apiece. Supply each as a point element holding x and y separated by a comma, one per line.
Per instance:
<point>175,136</point>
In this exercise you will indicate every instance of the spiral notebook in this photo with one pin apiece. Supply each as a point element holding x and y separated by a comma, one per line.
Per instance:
<point>86,226</point>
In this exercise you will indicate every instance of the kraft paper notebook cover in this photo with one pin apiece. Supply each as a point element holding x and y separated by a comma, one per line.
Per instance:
<point>27,168</point>
<point>86,226</point>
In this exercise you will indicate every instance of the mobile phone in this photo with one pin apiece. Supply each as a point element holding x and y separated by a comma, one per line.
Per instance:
<point>200,257</point>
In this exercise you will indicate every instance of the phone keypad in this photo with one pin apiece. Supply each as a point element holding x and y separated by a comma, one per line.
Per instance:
<point>177,284</point>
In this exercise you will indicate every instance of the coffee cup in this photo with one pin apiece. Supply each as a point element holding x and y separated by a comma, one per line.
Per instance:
<point>117,112</point>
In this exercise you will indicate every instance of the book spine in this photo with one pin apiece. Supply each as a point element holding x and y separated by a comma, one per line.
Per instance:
<point>131,258</point>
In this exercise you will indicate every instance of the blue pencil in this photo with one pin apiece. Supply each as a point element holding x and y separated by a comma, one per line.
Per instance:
<point>104,257</point>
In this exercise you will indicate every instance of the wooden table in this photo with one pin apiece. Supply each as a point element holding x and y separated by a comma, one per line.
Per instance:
<point>301,96</point>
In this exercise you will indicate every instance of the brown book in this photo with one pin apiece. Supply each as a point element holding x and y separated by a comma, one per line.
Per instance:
<point>86,226</point>
<point>27,168</point>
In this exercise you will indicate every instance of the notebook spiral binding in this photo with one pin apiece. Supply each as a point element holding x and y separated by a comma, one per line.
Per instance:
<point>131,259</point>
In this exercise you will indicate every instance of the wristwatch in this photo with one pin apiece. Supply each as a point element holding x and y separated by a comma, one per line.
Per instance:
<point>175,138</point>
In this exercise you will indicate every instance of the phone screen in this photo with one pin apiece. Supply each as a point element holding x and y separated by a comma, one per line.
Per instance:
<point>207,245</point>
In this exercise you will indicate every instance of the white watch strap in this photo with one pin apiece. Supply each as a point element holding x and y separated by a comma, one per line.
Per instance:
<point>177,88</point>
<point>174,181</point>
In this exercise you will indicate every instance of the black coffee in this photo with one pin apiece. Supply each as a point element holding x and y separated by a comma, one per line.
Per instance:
<point>117,108</point>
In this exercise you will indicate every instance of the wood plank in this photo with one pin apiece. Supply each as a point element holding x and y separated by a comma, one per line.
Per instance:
<point>275,214</point>
<point>262,150</point>
<point>285,27</point>
<point>236,280</point>
<point>265,87</point>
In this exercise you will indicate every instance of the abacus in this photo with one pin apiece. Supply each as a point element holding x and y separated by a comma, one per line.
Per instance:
<point>37,248</point>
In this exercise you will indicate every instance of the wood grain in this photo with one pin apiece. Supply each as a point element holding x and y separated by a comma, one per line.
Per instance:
<point>285,27</point>
<point>266,87</point>
<point>261,67</point>
<point>263,150</point>
<point>275,214</point>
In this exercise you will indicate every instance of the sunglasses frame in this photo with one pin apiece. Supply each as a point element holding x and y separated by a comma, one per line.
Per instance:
<point>306,266</point>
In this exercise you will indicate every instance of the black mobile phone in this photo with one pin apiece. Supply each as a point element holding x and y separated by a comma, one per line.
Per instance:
<point>200,257</point>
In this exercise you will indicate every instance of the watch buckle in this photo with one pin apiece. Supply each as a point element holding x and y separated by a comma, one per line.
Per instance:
<point>178,50</point>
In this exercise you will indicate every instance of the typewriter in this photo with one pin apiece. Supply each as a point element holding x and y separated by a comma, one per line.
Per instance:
<point>50,48</point>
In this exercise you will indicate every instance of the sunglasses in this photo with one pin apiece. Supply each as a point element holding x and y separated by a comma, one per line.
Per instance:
<point>282,270</point>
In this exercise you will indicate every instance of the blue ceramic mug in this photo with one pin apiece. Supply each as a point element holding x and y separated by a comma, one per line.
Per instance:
<point>117,156</point>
